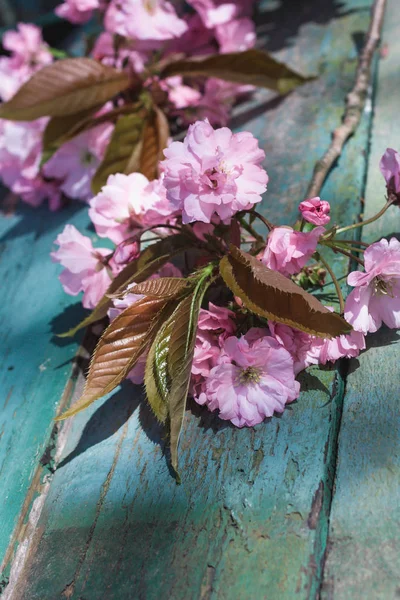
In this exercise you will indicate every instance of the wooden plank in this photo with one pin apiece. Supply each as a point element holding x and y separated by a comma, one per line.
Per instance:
<point>34,365</point>
<point>250,519</point>
<point>364,548</point>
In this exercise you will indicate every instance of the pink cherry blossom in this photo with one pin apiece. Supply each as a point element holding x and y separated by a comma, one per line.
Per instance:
<point>217,101</point>
<point>390,169</point>
<point>130,52</point>
<point>315,211</point>
<point>27,46</point>
<point>11,77</point>
<point>29,53</point>
<point>84,270</point>
<point>128,203</point>
<point>213,172</point>
<point>20,151</point>
<point>197,40</point>
<point>237,36</point>
<point>181,95</point>
<point>254,380</point>
<point>343,346</point>
<point>206,353</point>
<point>300,345</point>
<point>77,11</point>
<point>309,350</point>
<point>21,142</point>
<point>76,162</point>
<point>288,251</point>
<point>144,20</point>
<point>214,12</point>
<point>376,297</point>
<point>214,326</point>
<point>217,318</point>
<point>214,104</point>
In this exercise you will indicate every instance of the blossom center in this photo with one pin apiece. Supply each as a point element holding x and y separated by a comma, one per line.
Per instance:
<point>150,6</point>
<point>249,375</point>
<point>87,158</point>
<point>383,288</point>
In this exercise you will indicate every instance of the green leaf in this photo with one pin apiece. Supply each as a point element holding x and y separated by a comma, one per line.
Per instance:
<point>252,67</point>
<point>118,350</point>
<point>180,358</point>
<point>150,260</point>
<point>64,88</point>
<point>123,152</point>
<point>157,378</point>
<point>271,295</point>
<point>58,129</point>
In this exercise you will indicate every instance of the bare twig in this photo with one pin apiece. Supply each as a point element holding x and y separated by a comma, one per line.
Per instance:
<point>335,283</point>
<point>355,103</point>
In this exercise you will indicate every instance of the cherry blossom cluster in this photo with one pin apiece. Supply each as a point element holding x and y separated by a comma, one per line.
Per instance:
<point>213,183</point>
<point>144,29</point>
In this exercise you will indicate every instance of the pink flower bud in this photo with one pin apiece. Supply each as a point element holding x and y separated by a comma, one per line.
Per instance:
<point>315,211</point>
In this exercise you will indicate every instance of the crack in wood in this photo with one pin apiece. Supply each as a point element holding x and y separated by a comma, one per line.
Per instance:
<point>70,587</point>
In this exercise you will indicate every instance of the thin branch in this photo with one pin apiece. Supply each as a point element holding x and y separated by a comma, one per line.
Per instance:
<point>335,283</point>
<point>357,242</point>
<point>345,253</point>
<point>355,103</point>
<point>250,229</point>
<point>368,221</point>
<point>263,219</point>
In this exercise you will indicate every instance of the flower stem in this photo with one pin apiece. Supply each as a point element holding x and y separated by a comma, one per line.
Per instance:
<point>345,253</point>
<point>263,219</point>
<point>250,229</point>
<point>335,283</point>
<point>368,221</point>
<point>357,242</point>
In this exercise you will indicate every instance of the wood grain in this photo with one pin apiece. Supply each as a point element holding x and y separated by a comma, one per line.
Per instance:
<point>364,546</point>
<point>251,517</point>
<point>35,367</point>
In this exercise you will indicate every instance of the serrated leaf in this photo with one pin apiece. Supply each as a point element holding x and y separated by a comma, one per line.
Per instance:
<point>157,378</point>
<point>271,295</point>
<point>58,128</point>
<point>252,67</point>
<point>155,139</point>
<point>123,152</point>
<point>180,358</point>
<point>150,260</point>
<point>64,88</point>
<point>111,116</point>
<point>164,286</point>
<point>118,350</point>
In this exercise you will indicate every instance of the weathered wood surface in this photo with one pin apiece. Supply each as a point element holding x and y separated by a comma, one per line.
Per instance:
<point>364,542</point>
<point>35,367</point>
<point>251,518</point>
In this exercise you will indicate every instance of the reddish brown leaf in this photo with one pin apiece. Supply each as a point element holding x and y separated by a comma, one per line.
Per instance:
<point>66,87</point>
<point>118,349</point>
<point>252,67</point>
<point>155,138</point>
<point>164,286</point>
<point>150,260</point>
<point>271,295</point>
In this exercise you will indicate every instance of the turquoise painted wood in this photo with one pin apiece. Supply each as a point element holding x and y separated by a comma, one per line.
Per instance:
<point>35,367</point>
<point>364,550</point>
<point>251,517</point>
